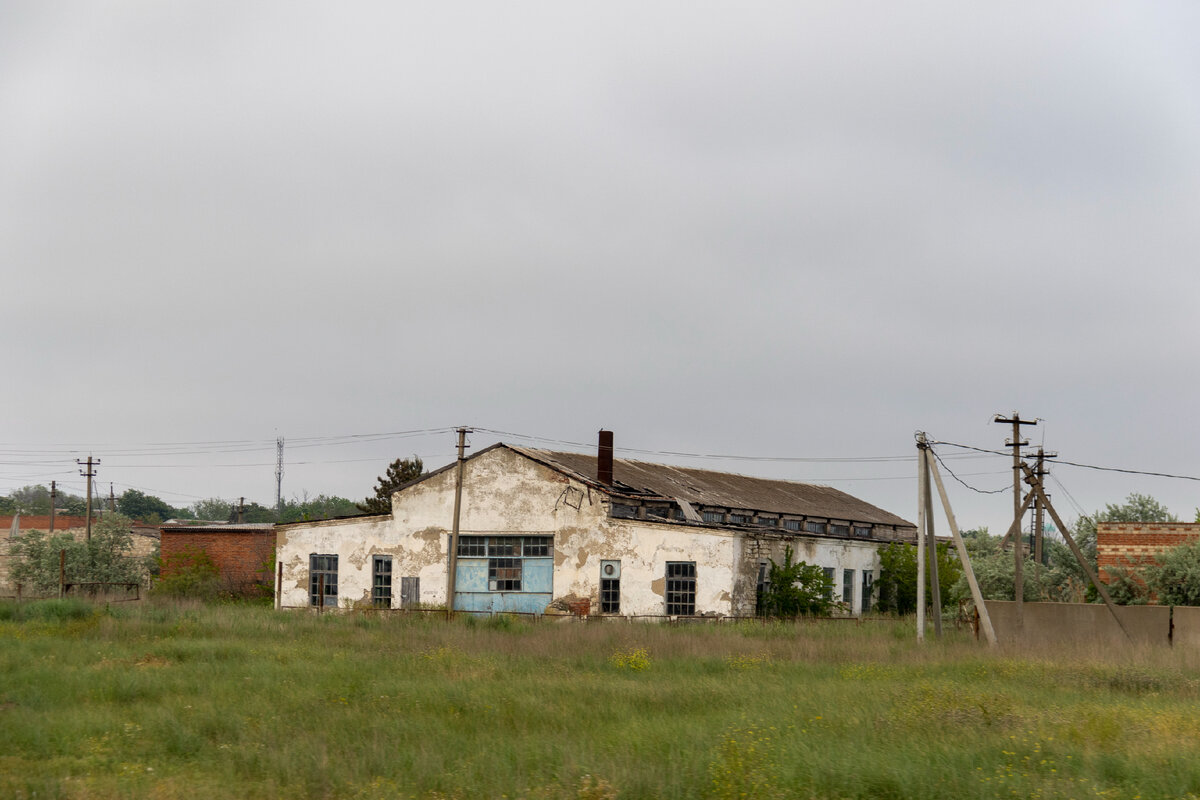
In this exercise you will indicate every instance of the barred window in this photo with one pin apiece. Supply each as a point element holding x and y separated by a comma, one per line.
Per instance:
<point>761,588</point>
<point>713,516</point>
<point>681,587</point>
<point>322,574</point>
<point>610,587</point>
<point>839,530</point>
<point>862,530</point>
<point>381,588</point>
<point>766,522</point>
<point>791,524</point>
<point>814,527</point>
<point>504,545</point>
<point>472,546</point>
<point>740,519</point>
<point>504,574</point>
<point>538,546</point>
<point>659,512</point>
<point>622,511</point>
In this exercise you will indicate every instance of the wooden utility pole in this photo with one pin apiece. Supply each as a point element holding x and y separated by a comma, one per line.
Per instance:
<point>89,473</point>
<point>458,486</point>
<point>112,499</point>
<point>53,498</point>
<point>1018,552</point>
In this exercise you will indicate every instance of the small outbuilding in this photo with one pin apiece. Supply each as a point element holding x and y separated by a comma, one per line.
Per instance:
<point>243,553</point>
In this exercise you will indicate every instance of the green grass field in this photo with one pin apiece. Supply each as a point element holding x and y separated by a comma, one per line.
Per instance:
<point>244,702</point>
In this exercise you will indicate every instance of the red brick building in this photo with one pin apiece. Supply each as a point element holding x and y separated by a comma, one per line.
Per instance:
<point>1122,545</point>
<point>243,553</point>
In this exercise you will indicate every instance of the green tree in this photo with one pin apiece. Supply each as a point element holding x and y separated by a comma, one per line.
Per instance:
<point>399,472</point>
<point>212,509</point>
<point>898,577</point>
<point>795,588</point>
<point>1136,508</point>
<point>36,500</point>
<point>145,507</point>
<point>320,507</point>
<point>106,558</point>
<point>1176,576</point>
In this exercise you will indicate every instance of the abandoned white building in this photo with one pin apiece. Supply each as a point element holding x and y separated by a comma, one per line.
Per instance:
<point>538,526</point>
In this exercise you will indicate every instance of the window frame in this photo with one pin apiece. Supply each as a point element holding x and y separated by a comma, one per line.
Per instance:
<point>315,571</point>
<point>381,581</point>
<point>610,590</point>
<point>848,586</point>
<point>680,594</point>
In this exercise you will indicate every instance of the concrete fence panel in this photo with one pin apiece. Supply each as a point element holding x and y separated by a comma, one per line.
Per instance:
<point>1187,626</point>
<point>1082,623</point>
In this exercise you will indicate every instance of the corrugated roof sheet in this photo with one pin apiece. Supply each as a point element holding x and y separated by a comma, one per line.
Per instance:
<point>724,489</point>
<point>232,527</point>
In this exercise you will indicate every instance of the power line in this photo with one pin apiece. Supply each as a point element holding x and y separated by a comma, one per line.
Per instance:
<point>960,480</point>
<point>1084,466</point>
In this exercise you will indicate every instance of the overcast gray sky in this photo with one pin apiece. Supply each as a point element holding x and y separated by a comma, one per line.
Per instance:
<point>790,230</point>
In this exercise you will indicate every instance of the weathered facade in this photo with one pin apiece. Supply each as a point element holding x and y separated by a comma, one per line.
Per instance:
<point>538,527</point>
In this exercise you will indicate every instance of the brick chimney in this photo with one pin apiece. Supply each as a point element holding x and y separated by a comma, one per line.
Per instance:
<point>604,458</point>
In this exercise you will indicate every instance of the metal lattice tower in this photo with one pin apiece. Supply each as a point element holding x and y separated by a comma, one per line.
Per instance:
<point>279,473</point>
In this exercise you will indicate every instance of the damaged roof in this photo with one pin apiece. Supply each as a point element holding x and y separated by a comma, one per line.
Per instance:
<point>702,487</point>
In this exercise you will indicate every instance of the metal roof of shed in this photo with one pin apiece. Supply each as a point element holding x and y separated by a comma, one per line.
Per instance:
<point>704,487</point>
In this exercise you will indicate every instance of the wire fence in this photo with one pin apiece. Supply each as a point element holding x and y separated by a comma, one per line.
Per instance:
<point>596,619</point>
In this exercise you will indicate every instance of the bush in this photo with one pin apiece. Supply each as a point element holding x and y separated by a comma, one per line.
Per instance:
<point>898,577</point>
<point>103,559</point>
<point>795,588</point>
<point>1176,576</point>
<point>190,574</point>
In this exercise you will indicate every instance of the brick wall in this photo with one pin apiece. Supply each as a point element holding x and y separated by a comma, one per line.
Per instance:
<point>242,557</point>
<point>42,523</point>
<point>1130,544</point>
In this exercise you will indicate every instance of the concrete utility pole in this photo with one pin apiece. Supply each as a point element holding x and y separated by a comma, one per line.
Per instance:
<point>89,473</point>
<point>53,498</point>
<point>1018,551</point>
<point>458,484</point>
<point>926,543</point>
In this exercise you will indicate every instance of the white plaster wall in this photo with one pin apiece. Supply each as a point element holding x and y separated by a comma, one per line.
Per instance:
<point>507,493</point>
<point>841,555</point>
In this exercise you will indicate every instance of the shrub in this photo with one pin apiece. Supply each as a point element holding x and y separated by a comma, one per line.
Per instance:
<point>795,588</point>
<point>1176,576</point>
<point>105,558</point>
<point>190,574</point>
<point>898,577</point>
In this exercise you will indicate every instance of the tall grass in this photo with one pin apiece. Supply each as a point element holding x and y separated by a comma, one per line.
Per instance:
<point>168,701</point>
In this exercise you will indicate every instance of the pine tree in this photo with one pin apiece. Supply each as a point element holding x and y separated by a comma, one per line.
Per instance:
<point>399,472</point>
